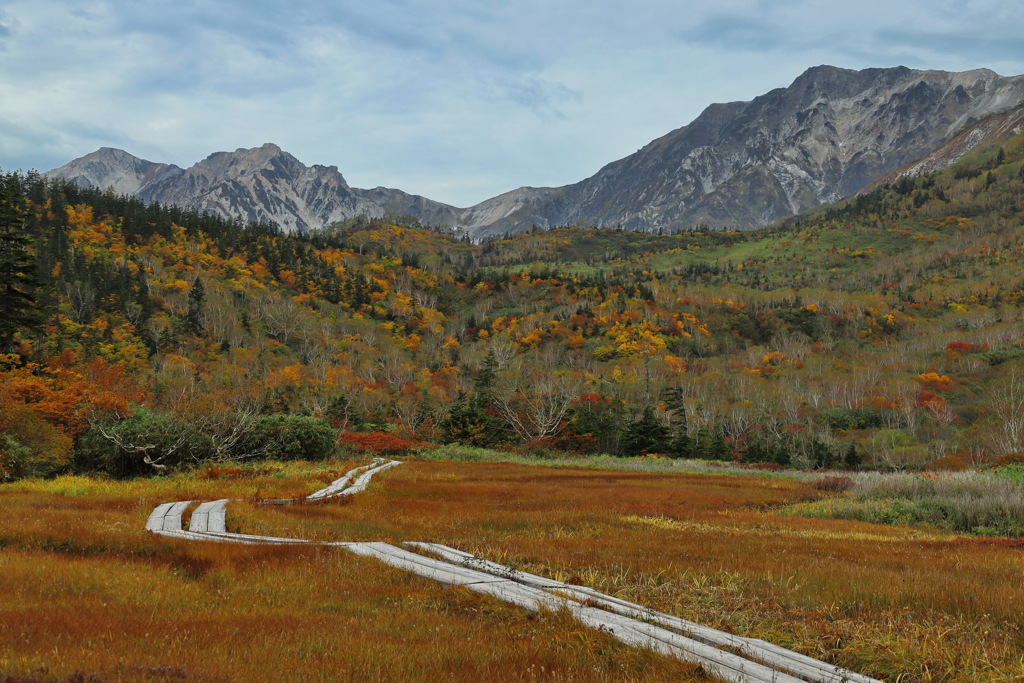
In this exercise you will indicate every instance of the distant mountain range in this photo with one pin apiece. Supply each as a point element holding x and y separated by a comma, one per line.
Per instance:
<point>741,164</point>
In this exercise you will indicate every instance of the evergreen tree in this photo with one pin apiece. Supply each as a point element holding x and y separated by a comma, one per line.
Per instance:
<point>483,382</point>
<point>339,411</point>
<point>467,423</point>
<point>852,458</point>
<point>196,294</point>
<point>680,444</point>
<point>18,279</point>
<point>645,435</point>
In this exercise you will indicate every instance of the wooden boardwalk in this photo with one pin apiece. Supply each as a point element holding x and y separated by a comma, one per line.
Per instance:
<point>730,657</point>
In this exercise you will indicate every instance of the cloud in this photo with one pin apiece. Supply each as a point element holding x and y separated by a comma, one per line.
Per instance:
<point>964,46</point>
<point>736,33</point>
<point>457,100</point>
<point>538,95</point>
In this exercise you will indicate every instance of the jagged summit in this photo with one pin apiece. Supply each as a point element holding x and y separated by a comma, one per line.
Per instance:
<point>830,133</point>
<point>116,169</point>
<point>744,164</point>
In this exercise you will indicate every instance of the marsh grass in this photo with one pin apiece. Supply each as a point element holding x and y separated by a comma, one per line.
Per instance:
<point>970,502</point>
<point>460,453</point>
<point>917,604</point>
<point>921,604</point>
<point>88,593</point>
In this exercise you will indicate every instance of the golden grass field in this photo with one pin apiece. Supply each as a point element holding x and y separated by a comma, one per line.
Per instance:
<point>87,591</point>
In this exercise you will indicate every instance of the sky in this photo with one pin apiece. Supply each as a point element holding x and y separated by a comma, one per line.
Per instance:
<point>456,100</point>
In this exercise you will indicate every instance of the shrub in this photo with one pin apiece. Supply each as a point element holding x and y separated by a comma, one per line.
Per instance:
<point>145,443</point>
<point>31,446</point>
<point>759,466</point>
<point>538,447</point>
<point>959,501</point>
<point>290,437</point>
<point>1010,472</point>
<point>947,463</point>
<point>12,455</point>
<point>380,443</point>
<point>1009,459</point>
<point>833,483</point>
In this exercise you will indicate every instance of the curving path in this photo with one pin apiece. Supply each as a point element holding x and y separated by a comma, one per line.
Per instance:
<point>731,657</point>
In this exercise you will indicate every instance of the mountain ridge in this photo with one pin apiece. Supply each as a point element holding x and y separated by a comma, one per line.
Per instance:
<point>743,164</point>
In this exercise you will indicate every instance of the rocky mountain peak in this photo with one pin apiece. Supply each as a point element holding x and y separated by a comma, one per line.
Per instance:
<point>745,164</point>
<point>114,169</point>
<point>830,133</point>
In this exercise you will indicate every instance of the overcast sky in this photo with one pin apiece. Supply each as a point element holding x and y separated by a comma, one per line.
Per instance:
<point>457,100</point>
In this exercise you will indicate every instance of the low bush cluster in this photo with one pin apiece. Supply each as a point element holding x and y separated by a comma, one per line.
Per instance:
<point>837,484</point>
<point>380,443</point>
<point>152,441</point>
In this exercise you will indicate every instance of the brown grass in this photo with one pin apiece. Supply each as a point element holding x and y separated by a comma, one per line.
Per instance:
<point>887,601</point>
<point>86,592</point>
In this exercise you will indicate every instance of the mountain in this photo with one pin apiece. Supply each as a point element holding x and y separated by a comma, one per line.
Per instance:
<point>991,129</point>
<point>115,169</point>
<point>830,134</point>
<point>744,164</point>
<point>259,184</point>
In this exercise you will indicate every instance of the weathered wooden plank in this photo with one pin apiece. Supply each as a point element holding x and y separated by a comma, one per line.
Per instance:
<point>359,484</point>
<point>773,655</point>
<point>275,540</point>
<point>724,664</point>
<point>245,539</point>
<point>217,522</point>
<point>210,516</point>
<point>366,472</point>
<point>156,517</point>
<point>201,517</point>
<point>337,485</point>
<point>808,668</point>
<point>466,559</point>
<point>172,518</point>
<point>420,565</point>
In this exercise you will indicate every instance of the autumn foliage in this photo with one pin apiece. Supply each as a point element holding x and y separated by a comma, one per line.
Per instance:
<point>879,328</point>
<point>380,443</point>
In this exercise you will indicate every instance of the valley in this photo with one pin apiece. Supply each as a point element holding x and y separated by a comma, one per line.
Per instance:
<point>766,375</point>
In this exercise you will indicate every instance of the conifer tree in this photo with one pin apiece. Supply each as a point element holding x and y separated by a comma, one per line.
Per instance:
<point>18,279</point>
<point>645,435</point>
<point>193,316</point>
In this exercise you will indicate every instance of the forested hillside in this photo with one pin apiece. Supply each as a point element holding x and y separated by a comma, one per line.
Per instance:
<point>885,331</point>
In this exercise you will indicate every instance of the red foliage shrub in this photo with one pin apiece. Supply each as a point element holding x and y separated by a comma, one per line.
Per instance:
<point>380,443</point>
<point>947,463</point>
<point>958,348</point>
<point>1009,459</point>
<point>836,484</point>
<point>570,441</point>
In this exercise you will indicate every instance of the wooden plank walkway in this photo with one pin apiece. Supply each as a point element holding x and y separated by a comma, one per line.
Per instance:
<point>758,650</point>
<point>733,658</point>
